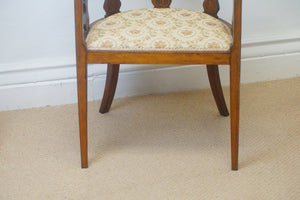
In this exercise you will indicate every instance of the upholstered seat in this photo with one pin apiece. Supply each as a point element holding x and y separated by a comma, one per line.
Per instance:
<point>160,29</point>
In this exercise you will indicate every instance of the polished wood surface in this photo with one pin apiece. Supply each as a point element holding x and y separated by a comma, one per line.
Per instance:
<point>235,73</point>
<point>115,58</point>
<point>216,88</point>
<point>161,3</point>
<point>112,7</point>
<point>112,76</point>
<point>124,57</point>
<point>81,60</point>
<point>211,7</point>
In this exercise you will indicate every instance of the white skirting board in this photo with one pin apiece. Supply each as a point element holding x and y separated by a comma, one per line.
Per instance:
<point>38,83</point>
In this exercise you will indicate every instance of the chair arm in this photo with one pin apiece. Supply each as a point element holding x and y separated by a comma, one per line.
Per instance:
<point>82,25</point>
<point>237,24</point>
<point>86,17</point>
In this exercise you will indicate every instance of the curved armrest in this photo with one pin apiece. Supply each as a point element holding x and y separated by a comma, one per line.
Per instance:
<point>81,22</point>
<point>237,24</point>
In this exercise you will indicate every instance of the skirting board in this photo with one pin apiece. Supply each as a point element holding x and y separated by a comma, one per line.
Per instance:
<point>19,91</point>
<point>160,80</point>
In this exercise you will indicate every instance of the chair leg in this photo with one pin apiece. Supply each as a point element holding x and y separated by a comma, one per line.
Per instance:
<point>235,72</point>
<point>82,109</point>
<point>216,88</point>
<point>110,87</point>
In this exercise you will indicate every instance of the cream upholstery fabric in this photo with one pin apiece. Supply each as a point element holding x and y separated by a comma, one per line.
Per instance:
<point>160,30</point>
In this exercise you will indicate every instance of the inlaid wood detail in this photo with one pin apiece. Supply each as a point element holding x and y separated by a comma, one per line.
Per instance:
<point>86,18</point>
<point>211,7</point>
<point>161,3</point>
<point>112,7</point>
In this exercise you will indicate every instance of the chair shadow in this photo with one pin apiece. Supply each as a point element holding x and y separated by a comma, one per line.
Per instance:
<point>180,124</point>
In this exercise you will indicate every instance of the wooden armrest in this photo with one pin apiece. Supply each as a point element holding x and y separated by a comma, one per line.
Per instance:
<point>237,24</point>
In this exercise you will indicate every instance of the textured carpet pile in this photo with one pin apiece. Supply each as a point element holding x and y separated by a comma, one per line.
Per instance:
<point>168,146</point>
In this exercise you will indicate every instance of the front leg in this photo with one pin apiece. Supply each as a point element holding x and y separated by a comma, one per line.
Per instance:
<point>235,73</point>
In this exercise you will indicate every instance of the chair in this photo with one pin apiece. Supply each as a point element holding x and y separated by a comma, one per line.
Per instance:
<point>161,35</point>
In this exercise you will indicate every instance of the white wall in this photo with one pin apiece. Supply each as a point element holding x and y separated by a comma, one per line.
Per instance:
<point>37,51</point>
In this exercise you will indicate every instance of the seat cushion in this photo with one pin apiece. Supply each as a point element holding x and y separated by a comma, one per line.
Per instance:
<point>160,29</point>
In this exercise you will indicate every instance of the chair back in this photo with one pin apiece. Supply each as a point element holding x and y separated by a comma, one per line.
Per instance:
<point>111,7</point>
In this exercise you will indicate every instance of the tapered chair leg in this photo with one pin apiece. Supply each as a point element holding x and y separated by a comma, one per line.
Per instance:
<point>234,110</point>
<point>110,87</point>
<point>82,109</point>
<point>216,88</point>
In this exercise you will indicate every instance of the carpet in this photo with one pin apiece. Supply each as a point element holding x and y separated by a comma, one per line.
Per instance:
<point>164,146</point>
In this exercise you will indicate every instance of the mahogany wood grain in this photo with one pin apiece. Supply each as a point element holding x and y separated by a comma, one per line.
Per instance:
<point>235,73</point>
<point>112,76</point>
<point>234,108</point>
<point>82,107</point>
<point>211,7</point>
<point>161,3</point>
<point>216,88</point>
<point>211,59</point>
<point>81,61</point>
<point>125,57</point>
<point>112,7</point>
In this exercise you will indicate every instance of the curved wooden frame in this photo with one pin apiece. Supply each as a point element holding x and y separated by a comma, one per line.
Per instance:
<point>115,58</point>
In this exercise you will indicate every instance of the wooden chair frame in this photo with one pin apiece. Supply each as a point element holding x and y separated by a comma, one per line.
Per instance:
<point>115,58</point>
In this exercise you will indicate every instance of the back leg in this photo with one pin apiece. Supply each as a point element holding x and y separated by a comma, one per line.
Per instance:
<point>216,88</point>
<point>110,87</point>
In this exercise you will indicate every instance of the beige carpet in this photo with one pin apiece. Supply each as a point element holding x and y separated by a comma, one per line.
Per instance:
<point>170,146</point>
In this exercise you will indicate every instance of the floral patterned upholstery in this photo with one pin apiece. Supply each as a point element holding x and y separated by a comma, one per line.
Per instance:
<point>160,29</point>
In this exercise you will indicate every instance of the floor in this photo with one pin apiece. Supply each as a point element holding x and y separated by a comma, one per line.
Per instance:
<point>167,146</point>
